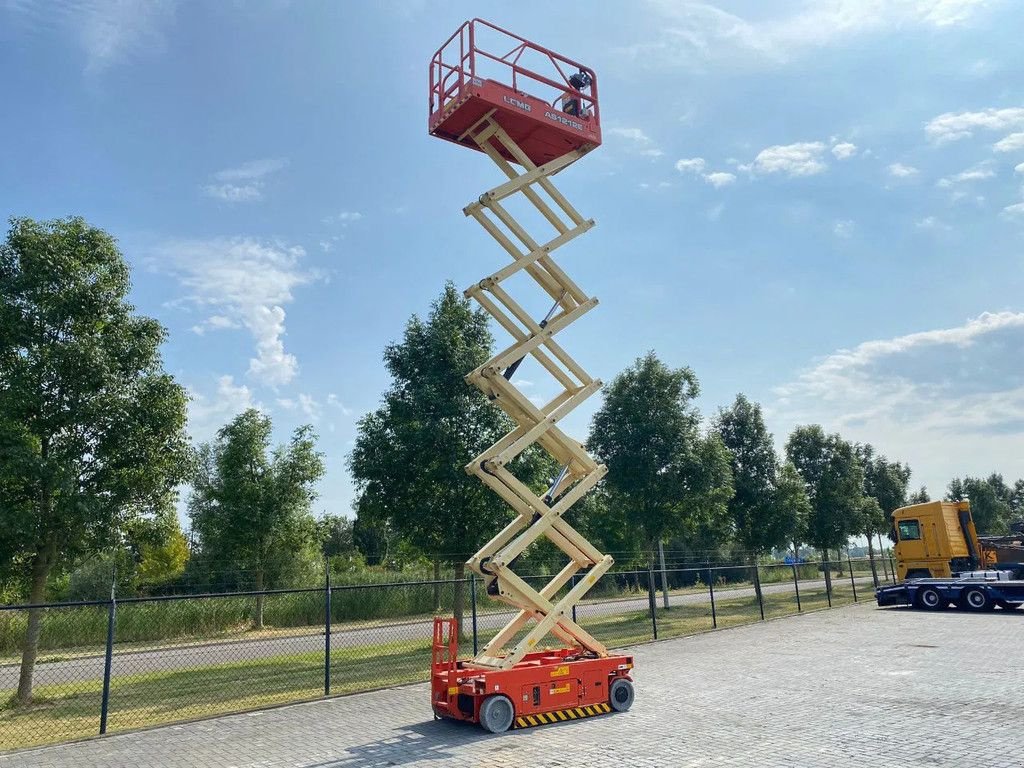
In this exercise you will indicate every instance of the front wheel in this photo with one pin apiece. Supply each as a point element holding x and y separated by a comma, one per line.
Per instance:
<point>496,714</point>
<point>976,599</point>
<point>620,695</point>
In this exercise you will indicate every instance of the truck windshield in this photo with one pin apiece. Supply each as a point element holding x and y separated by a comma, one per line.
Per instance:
<point>910,530</point>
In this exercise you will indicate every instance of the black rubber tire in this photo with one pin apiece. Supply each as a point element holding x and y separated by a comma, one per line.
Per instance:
<point>976,599</point>
<point>620,694</point>
<point>929,599</point>
<point>497,713</point>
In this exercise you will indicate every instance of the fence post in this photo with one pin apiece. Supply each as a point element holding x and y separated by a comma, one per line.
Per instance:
<point>757,588</point>
<point>664,576</point>
<point>472,603</point>
<point>327,629</point>
<point>853,583</point>
<point>796,586</point>
<point>892,567</point>
<point>711,591</point>
<point>828,579</point>
<point>108,659</point>
<point>651,600</point>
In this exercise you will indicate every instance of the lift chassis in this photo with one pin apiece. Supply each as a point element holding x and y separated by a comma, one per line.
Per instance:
<point>515,681</point>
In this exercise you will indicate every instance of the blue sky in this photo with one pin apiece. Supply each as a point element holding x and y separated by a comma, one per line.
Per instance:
<point>819,204</point>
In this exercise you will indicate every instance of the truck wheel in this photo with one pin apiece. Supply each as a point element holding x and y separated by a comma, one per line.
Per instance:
<point>975,599</point>
<point>929,599</point>
<point>620,695</point>
<point>496,713</point>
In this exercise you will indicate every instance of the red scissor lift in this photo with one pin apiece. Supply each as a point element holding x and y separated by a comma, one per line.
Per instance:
<point>532,108</point>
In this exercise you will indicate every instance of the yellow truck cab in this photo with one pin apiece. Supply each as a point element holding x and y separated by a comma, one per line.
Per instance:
<point>935,540</point>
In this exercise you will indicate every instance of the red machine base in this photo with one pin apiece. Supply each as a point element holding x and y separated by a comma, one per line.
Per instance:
<point>545,687</point>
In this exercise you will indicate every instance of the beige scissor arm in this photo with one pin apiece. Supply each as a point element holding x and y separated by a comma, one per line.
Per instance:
<point>536,515</point>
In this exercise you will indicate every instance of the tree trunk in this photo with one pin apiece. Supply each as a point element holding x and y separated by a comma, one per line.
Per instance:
<point>881,555</point>
<point>871,559</point>
<point>258,621</point>
<point>437,585</point>
<point>41,566</point>
<point>458,595</point>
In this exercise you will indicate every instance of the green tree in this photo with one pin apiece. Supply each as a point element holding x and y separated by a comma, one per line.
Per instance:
<point>920,496</point>
<point>834,480</point>
<point>990,501</point>
<point>886,482</point>
<point>250,505</point>
<point>163,560</point>
<point>875,521</point>
<point>666,476</point>
<point>92,430</point>
<point>338,542</point>
<point>791,494</point>
<point>409,456</point>
<point>762,519</point>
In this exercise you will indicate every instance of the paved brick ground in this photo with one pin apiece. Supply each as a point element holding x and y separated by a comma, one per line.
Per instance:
<point>851,687</point>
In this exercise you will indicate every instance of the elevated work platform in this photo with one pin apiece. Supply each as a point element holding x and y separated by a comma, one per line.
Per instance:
<point>516,679</point>
<point>546,103</point>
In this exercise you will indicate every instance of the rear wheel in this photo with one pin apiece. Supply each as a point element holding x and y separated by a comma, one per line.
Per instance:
<point>976,599</point>
<point>929,599</point>
<point>620,694</point>
<point>496,713</point>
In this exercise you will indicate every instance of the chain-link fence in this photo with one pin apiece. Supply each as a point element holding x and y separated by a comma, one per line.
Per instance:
<point>127,663</point>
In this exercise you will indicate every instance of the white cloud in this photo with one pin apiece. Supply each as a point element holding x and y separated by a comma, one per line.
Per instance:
<point>844,150</point>
<point>109,32</point>
<point>719,179</point>
<point>234,193</point>
<point>951,126</point>
<point>800,159</point>
<point>690,165</point>
<point>901,171</point>
<point>632,134</point>
<point>253,169</point>
<point>651,152</point>
<point>208,412</point>
<point>215,323</point>
<point>344,218</point>
<point>914,395</point>
<point>695,33</point>
<point>977,173</point>
<point>334,402</point>
<point>244,183</point>
<point>1011,143</point>
<point>1017,209</point>
<point>1019,168</point>
<point>930,222</point>
<point>247,283</point>
<point>310,407</point>
<point>843,228</point>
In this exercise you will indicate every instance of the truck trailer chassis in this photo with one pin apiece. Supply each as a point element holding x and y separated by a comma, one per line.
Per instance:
<point>981,592</point>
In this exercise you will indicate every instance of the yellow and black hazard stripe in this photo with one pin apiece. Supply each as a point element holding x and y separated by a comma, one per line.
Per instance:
<point>562,715</point>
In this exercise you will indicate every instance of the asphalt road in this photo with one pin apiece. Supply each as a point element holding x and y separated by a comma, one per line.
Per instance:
<point>212,653</point>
